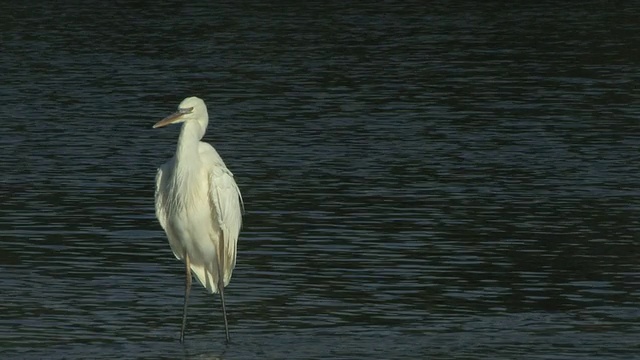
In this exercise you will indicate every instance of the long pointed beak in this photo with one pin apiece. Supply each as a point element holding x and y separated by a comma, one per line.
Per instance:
<point>169,119</point>
<point>172,118</point>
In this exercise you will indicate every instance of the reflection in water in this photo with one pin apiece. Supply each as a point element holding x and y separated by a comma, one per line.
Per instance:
<point>420,182</point>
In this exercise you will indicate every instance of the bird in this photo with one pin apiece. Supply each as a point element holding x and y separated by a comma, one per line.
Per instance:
<point>199,206</point>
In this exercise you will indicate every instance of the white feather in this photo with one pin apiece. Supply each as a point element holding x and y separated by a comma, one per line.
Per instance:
<point>199,206</point>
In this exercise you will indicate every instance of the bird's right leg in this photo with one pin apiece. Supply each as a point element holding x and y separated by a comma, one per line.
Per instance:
<point>187,290</point>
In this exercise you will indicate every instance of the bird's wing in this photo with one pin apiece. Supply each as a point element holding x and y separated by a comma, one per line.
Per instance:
<point>162,176</point>
<point>226,200</point>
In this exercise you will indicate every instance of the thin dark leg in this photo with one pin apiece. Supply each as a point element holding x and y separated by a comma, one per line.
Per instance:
<point>224,309</point>
<point>221,257</point>
<point>187,290</point>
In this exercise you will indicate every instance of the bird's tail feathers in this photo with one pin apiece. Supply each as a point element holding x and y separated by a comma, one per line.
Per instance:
<point>209,277</point>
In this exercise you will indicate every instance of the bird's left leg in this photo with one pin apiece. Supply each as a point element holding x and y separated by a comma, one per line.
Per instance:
<point>221,256</point>
<point>224,310</point>
<point>187,290</point>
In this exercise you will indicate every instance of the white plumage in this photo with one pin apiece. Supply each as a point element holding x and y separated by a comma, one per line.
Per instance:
<point>199,205</point>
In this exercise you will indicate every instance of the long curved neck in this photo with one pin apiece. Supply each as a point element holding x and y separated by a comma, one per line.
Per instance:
<point>187,149</point>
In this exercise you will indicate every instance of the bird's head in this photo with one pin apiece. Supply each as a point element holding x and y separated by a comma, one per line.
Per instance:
<point>191,108</point>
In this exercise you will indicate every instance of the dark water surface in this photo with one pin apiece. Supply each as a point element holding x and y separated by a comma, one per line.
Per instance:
<point>456,180</point>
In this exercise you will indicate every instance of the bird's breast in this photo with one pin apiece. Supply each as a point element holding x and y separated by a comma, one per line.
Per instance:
<point>190,208</point>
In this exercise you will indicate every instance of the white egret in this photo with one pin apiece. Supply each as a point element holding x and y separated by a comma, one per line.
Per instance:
<point>199,205</point>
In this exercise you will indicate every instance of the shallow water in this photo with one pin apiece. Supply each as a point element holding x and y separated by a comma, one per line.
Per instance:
<point>448,182</point>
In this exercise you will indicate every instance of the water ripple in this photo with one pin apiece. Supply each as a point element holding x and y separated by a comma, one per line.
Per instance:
<point>421,182</point>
